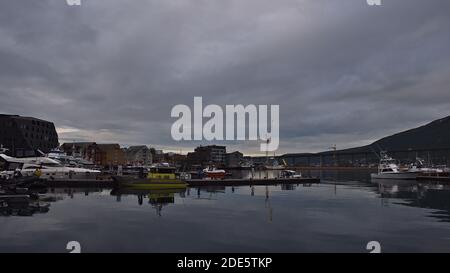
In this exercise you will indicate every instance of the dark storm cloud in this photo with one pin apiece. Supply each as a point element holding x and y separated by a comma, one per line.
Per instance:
<point>343,73</point>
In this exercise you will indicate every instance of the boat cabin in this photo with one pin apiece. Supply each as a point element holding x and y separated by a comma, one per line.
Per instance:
<point>162,172</point>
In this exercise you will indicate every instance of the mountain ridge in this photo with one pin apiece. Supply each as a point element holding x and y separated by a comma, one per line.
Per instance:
<point>431,136</point>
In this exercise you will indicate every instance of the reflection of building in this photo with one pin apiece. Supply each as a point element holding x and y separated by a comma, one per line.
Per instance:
<point>23,136</point>
<point>138,155</point>
<point>204,155</point>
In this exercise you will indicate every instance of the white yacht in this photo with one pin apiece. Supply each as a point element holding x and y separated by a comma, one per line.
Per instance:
<point>389,169</point>
<point>45,168</point>
<point>70,160</point>
<point>290,174</point>
<point>419,167</point>
<point>3,150</point>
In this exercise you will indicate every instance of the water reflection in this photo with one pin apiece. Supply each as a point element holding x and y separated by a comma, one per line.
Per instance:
<point>22,207</point>
<point>340,214</point>
<point>427,194</point>
<point>158,199</point>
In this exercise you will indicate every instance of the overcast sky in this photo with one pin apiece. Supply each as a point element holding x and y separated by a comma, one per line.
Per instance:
<point>343,72</point>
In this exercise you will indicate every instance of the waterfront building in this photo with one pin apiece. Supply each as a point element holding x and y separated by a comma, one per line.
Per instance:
<point>107,155</point>
<point>138,155</point>
<point>158,156</point>
<point>205,155</point>
<point>77,149</point>
<point>234,159</point>
<point>100,154</point>
<point>25,136</point>
<point>175,159</point>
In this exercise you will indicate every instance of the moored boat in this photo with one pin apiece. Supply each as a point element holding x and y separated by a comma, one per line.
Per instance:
<point>419,167</point>
<point>160,176</point>
<point>45,168</point>
<point>213,173</point>
<point>389,169</point>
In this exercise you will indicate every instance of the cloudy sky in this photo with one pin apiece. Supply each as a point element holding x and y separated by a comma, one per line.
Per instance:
<point>343,72</point>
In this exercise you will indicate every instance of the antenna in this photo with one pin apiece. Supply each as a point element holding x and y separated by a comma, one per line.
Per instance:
<point>373,150</point>
<point>267,149</point>
<point>334,148</point>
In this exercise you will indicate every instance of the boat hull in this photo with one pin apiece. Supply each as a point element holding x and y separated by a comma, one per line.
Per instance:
<point>218,175</point>
<point>395,176</point>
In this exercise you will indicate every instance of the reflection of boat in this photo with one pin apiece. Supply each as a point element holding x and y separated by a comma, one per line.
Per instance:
<point>20,202</point>
<point>390,187</point>
<point>157,198</point>
<point>149,192</point>
<point>160,176</point>
<point>388,169</point>
<point>23,208</point>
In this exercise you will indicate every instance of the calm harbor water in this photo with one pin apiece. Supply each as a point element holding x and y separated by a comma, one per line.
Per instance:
<point>342,214</point>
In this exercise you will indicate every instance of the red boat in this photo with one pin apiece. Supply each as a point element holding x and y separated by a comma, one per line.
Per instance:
<point>214,173</point>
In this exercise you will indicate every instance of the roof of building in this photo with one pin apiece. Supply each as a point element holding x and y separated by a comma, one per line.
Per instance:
<point>137,148</point>
<point>21,117</point>
<point>82,144</point>
<point>108,147</point>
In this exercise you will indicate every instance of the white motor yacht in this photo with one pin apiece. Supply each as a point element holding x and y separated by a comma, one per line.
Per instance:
<point>419,167</point>
<point>389,169</point>
<point>290,174</point>
<point>69,160</point>
<point>48,169</point>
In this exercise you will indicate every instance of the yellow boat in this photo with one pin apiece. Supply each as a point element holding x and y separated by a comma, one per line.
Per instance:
<point>159,177</point>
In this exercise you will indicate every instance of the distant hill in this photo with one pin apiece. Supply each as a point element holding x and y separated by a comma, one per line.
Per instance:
<point>434,135</point>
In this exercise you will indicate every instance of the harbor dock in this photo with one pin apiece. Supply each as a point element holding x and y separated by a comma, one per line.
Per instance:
<point>94,183</point>
<point>434,178</point>
<point>190,182</point>
<point>251,182</point>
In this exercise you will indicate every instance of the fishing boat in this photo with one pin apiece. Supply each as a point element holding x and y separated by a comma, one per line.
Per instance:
<point>159,176</point>
<point>389,169</point>
<point>213,173</point>
<point>290,174</point>
<point>421,168</point>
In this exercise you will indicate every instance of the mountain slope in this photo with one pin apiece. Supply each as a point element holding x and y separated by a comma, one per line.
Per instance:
<point>435,135</point>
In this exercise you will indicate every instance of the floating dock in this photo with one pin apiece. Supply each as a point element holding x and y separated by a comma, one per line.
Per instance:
<point>72,183</point>
<point>251,182</point>
<point>434,178</point>
<point>190,182</point>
